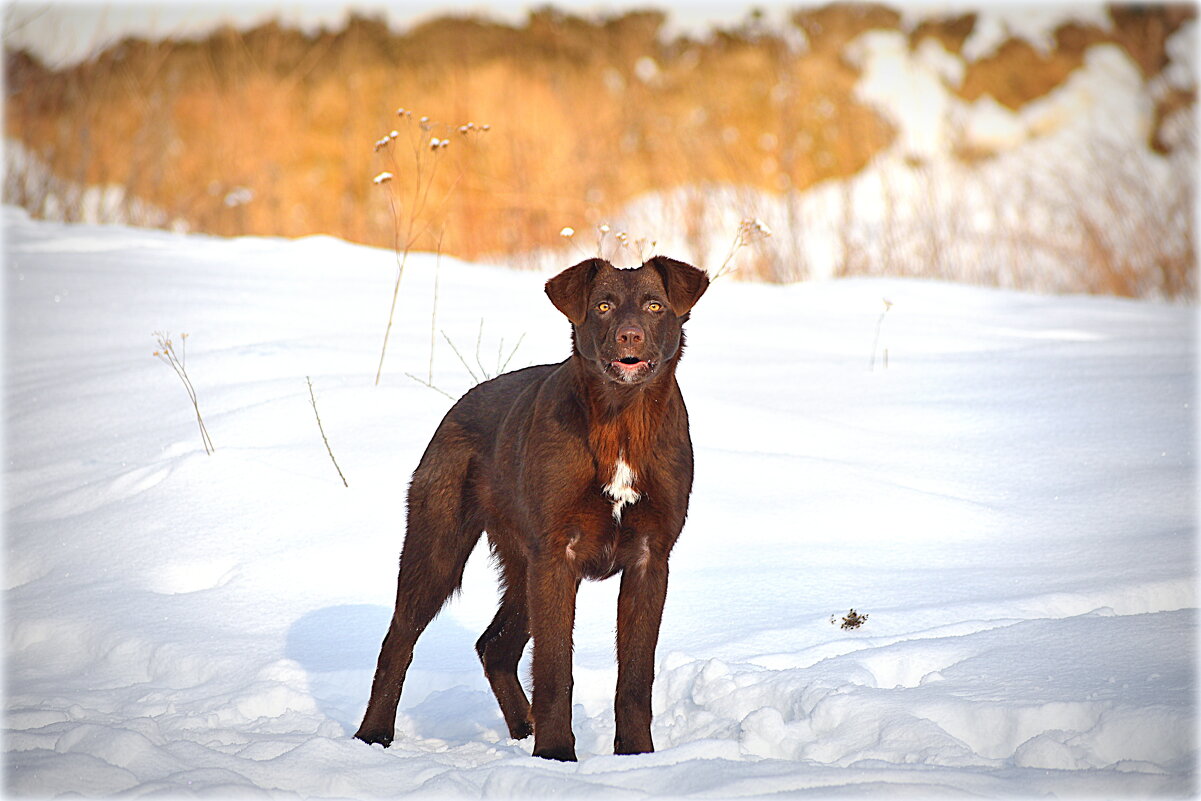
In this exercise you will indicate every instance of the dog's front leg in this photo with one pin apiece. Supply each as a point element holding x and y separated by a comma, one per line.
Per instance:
<point>639,612</point>
<point>552,587</point>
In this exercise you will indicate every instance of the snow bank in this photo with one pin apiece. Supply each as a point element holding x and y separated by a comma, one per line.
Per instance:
<point>1010,500</point>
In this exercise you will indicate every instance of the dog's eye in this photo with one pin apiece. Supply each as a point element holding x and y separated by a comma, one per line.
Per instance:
<point>603,307</point>
<point>654,306</point>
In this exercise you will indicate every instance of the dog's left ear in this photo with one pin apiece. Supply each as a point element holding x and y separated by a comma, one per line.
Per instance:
<point>684,283</point>
<point>569,289</point>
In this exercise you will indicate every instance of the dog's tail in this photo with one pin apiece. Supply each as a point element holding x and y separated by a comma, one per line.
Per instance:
<point>444,524</point>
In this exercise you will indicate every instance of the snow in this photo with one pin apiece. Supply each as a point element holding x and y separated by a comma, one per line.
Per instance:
<point>1032,22</point>
<point>1011,502</point>
<point>1105,97</point>
<point>908,87</point>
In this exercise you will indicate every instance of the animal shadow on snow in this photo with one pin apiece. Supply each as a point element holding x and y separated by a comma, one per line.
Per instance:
<point>336,647</point>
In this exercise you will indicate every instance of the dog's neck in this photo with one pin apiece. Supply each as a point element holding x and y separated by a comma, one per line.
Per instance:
<point>624,418</point>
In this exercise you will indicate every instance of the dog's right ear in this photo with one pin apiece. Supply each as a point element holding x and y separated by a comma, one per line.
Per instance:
<point>569,289</point>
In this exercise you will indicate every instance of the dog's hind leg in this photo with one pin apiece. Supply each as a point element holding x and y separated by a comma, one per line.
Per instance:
<point>501,645</point>
<point>443,528</point>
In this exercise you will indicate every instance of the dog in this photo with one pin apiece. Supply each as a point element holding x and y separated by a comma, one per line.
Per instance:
<point>581,469</point>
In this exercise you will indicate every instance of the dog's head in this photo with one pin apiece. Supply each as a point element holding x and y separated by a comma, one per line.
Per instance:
<point>627,323</point>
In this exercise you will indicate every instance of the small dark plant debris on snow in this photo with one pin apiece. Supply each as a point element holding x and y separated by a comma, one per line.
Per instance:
<point>851,620</point>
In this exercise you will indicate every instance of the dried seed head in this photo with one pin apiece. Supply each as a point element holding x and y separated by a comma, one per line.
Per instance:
<point>752,230</point>
<point>382,178</point>
<point>567,233</point>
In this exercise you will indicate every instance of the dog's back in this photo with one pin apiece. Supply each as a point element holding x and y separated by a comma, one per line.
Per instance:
<point>477,415</point>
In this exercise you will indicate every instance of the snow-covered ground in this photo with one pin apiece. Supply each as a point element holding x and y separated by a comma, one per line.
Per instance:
<point>1010,501</point>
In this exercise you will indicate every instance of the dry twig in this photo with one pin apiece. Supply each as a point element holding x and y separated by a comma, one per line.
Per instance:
<point>178,362</point>
<point>321,428</point>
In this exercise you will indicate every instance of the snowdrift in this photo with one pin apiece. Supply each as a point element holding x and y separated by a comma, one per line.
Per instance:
<point>1003,483</point>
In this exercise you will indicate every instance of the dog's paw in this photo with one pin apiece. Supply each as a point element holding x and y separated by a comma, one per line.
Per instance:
<point>374,737</point>
<point>521,730</point>
<point>565,753</point>
<point>641,745</point>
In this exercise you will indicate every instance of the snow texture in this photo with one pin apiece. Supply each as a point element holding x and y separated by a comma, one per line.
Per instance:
<point>1010,500</point>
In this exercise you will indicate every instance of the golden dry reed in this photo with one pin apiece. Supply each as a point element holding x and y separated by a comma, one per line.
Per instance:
<point>270,131</point>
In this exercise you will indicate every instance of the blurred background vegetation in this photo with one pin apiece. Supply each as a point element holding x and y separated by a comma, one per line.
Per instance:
<point>270,131</point>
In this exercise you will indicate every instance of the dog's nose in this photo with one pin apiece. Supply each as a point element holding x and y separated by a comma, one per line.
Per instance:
<point>630,334</point>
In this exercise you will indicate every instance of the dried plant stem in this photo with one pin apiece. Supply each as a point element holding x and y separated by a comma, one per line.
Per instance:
<point>749,230</point>
<point>462,361</point>
<point>321,428</point>
<point>479,340</point>
<point>876,342</point>
<point>166,354</point>
<point>401,258</point>
<point>602,231</point>
<point>512,353</point>
<point>724,268</point>
<point>425,383</point>
<point>417,222</point>
<point>434,311</point>
<point>485,374</point>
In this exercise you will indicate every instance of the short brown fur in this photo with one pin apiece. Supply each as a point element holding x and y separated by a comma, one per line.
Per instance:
<point>535,458</point>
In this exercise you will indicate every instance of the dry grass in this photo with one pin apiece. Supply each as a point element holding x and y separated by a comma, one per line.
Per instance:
<point>177,360</point>
<point>269,131</point>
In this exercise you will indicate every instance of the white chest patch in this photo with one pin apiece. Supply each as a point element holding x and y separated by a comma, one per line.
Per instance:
<point>621,488</point>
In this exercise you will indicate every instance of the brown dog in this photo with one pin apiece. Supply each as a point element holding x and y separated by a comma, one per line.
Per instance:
<point>576,470</point>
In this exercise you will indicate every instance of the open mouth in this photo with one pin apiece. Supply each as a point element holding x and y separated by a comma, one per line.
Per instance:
<point>630,368</point>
